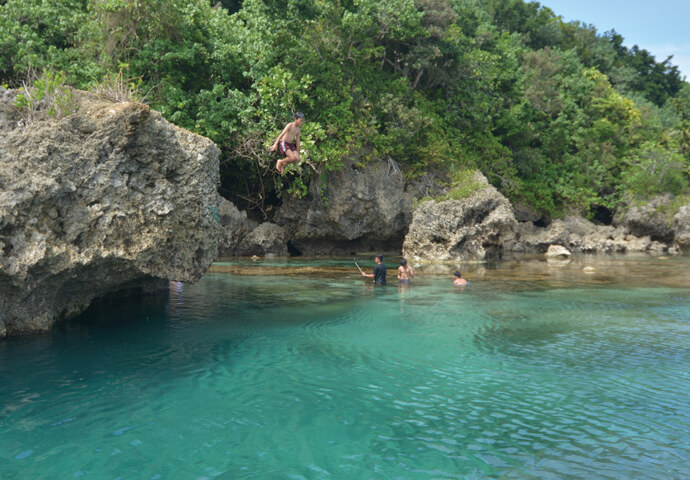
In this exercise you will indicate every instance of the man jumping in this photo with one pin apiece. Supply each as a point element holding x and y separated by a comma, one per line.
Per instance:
<point>288,143</point>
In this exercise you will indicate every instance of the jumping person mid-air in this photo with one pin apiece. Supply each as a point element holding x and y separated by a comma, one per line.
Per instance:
<point>288,142</point>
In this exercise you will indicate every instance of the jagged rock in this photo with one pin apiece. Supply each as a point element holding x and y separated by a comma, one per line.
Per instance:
<point>266,239</point>
<point>582,236</point>
<point>648,220</point>
<point>558,251</point>
<point>681,227</point>
<point>235,229</point>
<point>354,208</point>
<point>470,229</point>
<point>108,198</point>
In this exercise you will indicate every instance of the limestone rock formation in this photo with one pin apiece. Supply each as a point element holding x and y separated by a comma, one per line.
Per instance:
<point>354,208</point>
<point>681,227</point>
<point>110,197</point>
<point>582,236</point>
<point>268,239</point>
<point>235,229</point>
<point>474,228</point>
<point>648,220</point>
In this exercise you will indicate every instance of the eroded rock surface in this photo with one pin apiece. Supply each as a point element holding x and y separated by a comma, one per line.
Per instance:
<point>681,227</point>
<point>354,208</point>
<point>111,197</point>
<point>582,236</point>
<point>474,228</point>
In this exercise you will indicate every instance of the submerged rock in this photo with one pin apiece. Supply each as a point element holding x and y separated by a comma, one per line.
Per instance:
<point>112,197</point>
<point>474,228</point>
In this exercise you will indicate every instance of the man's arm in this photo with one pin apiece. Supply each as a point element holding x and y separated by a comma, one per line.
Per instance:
<point>369,275</point>
<point>280,137</point>
<point>298,140</point>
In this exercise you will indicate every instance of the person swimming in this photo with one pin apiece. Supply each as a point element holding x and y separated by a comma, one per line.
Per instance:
<point>405,272</point>
<point>459,281</point>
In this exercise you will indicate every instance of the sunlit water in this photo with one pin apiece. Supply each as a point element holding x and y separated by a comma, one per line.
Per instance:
<point>304,375</point>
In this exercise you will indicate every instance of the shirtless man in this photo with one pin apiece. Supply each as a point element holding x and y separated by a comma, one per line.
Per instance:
<point>459,281</point>
<point>405,272</point>
<point>288,142</point>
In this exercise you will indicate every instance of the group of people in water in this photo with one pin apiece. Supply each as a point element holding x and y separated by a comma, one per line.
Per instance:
<point>405,273</point>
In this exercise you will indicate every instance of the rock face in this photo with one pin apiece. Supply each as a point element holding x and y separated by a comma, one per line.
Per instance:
<point>354,208</point>
<point>266,239</point>
<point>582,236</point>
<point>109,198</point>
<point>474,228</point>
<point>681,227</point>
<point>648,220</point>
<point>235,229</point>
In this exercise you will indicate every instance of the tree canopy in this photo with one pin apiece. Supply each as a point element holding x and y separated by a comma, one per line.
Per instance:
<point>557,115</point>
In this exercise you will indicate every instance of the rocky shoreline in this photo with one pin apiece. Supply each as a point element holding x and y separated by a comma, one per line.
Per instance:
<point>372,208</point>
<point>114,198</point>
<point>110,198</point>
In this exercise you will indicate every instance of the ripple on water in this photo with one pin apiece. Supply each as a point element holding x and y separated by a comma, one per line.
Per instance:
<point>236,377</point>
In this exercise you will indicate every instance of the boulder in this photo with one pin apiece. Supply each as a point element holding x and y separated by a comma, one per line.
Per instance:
<point>473,228</point>
<point>648,220</point>
<point>354,208</point>
<point>681,228</point>
<point>557,251</point>
<point>235,229</point>
<point>266,239</point>
<point>582,236</point>
<point>109,198</point>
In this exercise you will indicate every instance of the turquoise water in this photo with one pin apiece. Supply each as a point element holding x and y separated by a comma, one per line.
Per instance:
<point>320,376</point>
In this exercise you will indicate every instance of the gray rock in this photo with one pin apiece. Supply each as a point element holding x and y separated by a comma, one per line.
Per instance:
<point>557,251</point>
<point>681,227</point>
<point>112,197</point>
<point>268,239</point>
<point>235,229</point>
<point>354,208</point>
<point>474,228</point>
<point>648,220</point>
<point>582,236</point>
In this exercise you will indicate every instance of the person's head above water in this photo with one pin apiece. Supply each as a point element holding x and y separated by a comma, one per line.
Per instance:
<point>403,262</point>
<point>299,118</point>
<point>379,258</point>
<point>457,274</point>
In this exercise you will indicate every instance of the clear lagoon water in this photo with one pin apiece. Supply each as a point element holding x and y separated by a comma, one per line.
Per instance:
<point>300,370</point>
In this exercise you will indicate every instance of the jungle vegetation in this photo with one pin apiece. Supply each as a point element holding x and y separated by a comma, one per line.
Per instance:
<point>557,115</point>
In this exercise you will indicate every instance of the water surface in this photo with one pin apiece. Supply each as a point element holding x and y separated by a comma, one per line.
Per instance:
<point>299,369</point>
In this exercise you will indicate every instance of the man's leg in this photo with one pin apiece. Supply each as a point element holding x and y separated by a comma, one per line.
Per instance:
<point>292,157</point>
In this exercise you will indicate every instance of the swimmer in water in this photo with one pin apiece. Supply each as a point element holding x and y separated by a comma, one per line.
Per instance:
<point>405,272</point>
<point>459,281</point>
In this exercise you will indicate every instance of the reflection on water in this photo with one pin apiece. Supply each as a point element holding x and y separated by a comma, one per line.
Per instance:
<point>301,369</point>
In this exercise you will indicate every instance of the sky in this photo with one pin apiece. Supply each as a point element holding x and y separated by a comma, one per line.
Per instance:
<point>661,27</point>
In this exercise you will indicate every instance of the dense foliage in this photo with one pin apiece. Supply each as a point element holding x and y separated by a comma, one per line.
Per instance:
<point>557,115</point>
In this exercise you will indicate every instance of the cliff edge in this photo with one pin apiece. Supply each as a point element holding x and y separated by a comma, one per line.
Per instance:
<point>111,197</point>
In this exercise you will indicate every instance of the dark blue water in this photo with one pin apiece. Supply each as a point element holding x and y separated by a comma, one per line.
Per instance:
<point>317,375</point>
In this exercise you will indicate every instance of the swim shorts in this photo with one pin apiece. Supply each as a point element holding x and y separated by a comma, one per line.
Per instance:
<point>284,147</point>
